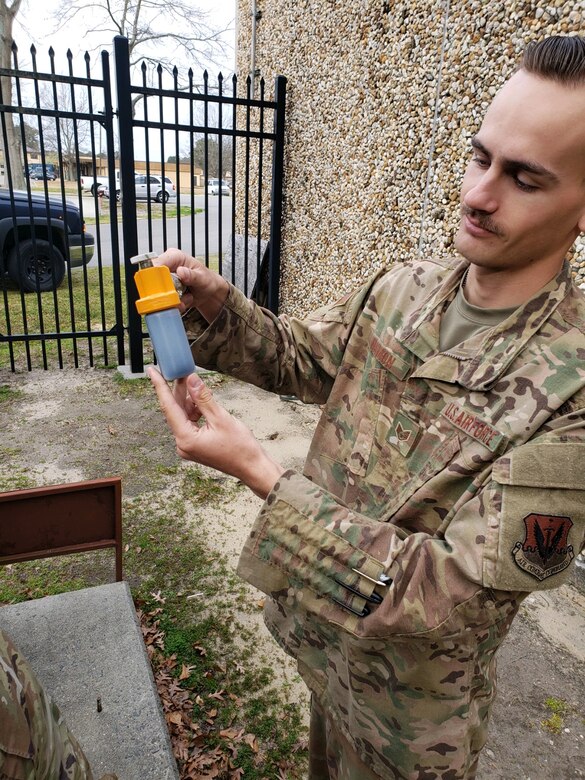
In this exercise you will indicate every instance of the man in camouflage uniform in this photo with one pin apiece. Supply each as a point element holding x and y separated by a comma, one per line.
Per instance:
<point>445,479</point>
<point>35,743</point>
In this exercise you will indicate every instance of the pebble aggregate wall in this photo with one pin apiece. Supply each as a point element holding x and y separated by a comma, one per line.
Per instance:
<point>382,99</point>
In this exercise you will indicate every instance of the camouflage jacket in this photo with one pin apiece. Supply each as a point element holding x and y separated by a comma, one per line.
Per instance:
<point>35,743</point>
<point>439,489</point>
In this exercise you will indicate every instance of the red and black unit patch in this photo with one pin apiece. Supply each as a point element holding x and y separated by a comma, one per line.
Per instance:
<point>545,550</point>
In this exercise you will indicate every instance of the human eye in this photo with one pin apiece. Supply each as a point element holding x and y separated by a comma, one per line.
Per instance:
<point>480,161</point>
<point>524,186</point>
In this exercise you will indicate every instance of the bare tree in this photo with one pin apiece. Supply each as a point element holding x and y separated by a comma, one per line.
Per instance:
<point>209,162</point>
<point>13,145</point>
<point>157,30</point>
<point>62,133</point>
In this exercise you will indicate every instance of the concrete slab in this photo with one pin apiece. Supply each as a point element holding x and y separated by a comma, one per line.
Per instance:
<point>86,645</point>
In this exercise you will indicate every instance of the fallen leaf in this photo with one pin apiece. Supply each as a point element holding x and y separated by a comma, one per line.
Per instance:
<point>235,734</point>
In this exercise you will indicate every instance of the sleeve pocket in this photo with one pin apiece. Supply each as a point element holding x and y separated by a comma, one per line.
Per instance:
<point>536,516</point>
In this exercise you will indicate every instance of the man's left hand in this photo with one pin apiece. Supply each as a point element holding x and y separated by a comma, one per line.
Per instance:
<point>207,433</point>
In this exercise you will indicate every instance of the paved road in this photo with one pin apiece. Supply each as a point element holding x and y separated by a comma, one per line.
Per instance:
<point>172,233</point>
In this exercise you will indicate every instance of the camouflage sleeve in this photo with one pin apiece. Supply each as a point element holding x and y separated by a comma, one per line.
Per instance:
<point>35,743</point>
<point>516,529</point>
<point>280,354</point>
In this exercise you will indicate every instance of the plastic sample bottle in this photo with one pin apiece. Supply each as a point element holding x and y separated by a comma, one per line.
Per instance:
<point>158,303</point>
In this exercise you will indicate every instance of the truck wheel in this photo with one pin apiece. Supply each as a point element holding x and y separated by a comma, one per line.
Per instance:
<point>36,266</point>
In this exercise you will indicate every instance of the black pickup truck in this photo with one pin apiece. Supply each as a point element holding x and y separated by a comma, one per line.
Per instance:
<point>39,239</point>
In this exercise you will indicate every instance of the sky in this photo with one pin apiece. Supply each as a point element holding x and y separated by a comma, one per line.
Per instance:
<point>35,24</point>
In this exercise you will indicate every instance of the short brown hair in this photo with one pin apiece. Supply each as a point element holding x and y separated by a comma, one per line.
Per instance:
<point>560,58</point>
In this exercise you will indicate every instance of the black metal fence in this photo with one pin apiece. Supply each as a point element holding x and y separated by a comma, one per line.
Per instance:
<point>87,185</point>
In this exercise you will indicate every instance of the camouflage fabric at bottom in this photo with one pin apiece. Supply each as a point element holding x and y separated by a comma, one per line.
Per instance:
<point>35,743</point>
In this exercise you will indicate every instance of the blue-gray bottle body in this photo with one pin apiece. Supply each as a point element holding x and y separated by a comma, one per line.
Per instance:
<point>170,343</point>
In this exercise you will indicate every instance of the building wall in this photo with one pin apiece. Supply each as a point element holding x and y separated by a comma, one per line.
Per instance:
<point>382,99</point>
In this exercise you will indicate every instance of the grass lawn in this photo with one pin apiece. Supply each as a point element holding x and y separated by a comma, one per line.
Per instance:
<point>84,302</point>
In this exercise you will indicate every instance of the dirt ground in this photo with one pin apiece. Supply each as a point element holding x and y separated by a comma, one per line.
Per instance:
<point>77,424</point>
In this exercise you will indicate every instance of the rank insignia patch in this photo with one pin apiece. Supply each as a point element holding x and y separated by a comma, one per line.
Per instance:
<point>545,550</point>
<point>403,434</point>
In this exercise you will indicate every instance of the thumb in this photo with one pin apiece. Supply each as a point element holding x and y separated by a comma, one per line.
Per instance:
<point>187,275</point>
<point>202,396</point>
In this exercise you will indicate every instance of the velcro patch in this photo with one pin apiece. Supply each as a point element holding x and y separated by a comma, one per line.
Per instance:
<point>545,550</point>
<point>473,426</point>
<point>403,433</point>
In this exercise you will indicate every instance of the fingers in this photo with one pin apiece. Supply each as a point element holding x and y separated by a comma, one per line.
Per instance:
<point>174,413</point>
<point>173,258</point>
<point>202,398</point>
<point>183,398</point>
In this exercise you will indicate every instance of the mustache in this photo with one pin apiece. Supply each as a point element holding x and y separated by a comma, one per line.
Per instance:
<point>483,220</point>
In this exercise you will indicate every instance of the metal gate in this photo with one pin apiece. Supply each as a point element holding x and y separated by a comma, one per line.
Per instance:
<point>178,162</point>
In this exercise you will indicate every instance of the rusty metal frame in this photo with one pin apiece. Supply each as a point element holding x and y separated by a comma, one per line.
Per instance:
<point>62,519</point>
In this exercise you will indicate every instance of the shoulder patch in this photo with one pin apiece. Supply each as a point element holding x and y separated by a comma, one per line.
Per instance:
<point>545,550</point>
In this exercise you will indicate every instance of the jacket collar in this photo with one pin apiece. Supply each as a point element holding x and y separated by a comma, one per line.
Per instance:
<point>477,363</point>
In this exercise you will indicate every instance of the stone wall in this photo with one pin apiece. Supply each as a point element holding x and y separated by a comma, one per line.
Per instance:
<point>382,99</point>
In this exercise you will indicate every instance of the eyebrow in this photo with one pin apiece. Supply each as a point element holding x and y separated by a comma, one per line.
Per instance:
<point>518,165</point>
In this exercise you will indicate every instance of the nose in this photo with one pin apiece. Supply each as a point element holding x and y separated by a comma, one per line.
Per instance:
<point>479,191</point>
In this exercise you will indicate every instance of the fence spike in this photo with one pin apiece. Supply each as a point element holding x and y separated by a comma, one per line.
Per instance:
<point>143,66</point>
<point>51,52</point>
<point>70,55</point>
<point>14,47</point>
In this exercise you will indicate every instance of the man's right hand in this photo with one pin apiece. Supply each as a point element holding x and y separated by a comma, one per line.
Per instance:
<point>205,290</point>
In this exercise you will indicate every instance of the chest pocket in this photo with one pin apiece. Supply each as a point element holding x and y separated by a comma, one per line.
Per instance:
<point>381,390</point>
<point>536,516</point>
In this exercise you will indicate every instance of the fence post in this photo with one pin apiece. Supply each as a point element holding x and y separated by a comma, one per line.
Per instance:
<point>276,195</point>
<point>128,191</point>
<point>108,125</point>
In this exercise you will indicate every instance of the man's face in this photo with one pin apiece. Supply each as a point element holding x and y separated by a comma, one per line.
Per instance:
<point>523,193</point>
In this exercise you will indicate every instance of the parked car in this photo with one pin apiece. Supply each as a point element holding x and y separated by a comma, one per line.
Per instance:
<point>93,183</point>
<point>39,171</point>
<point>154,188</point>
<point>217,187</point>
<point>40,239</point>
<point>104,190</point>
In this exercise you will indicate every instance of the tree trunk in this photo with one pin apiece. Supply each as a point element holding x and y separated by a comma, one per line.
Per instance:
<point>13,157</point>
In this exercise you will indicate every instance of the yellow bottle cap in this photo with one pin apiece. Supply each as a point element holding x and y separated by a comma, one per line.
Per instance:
<point>156,288</point>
